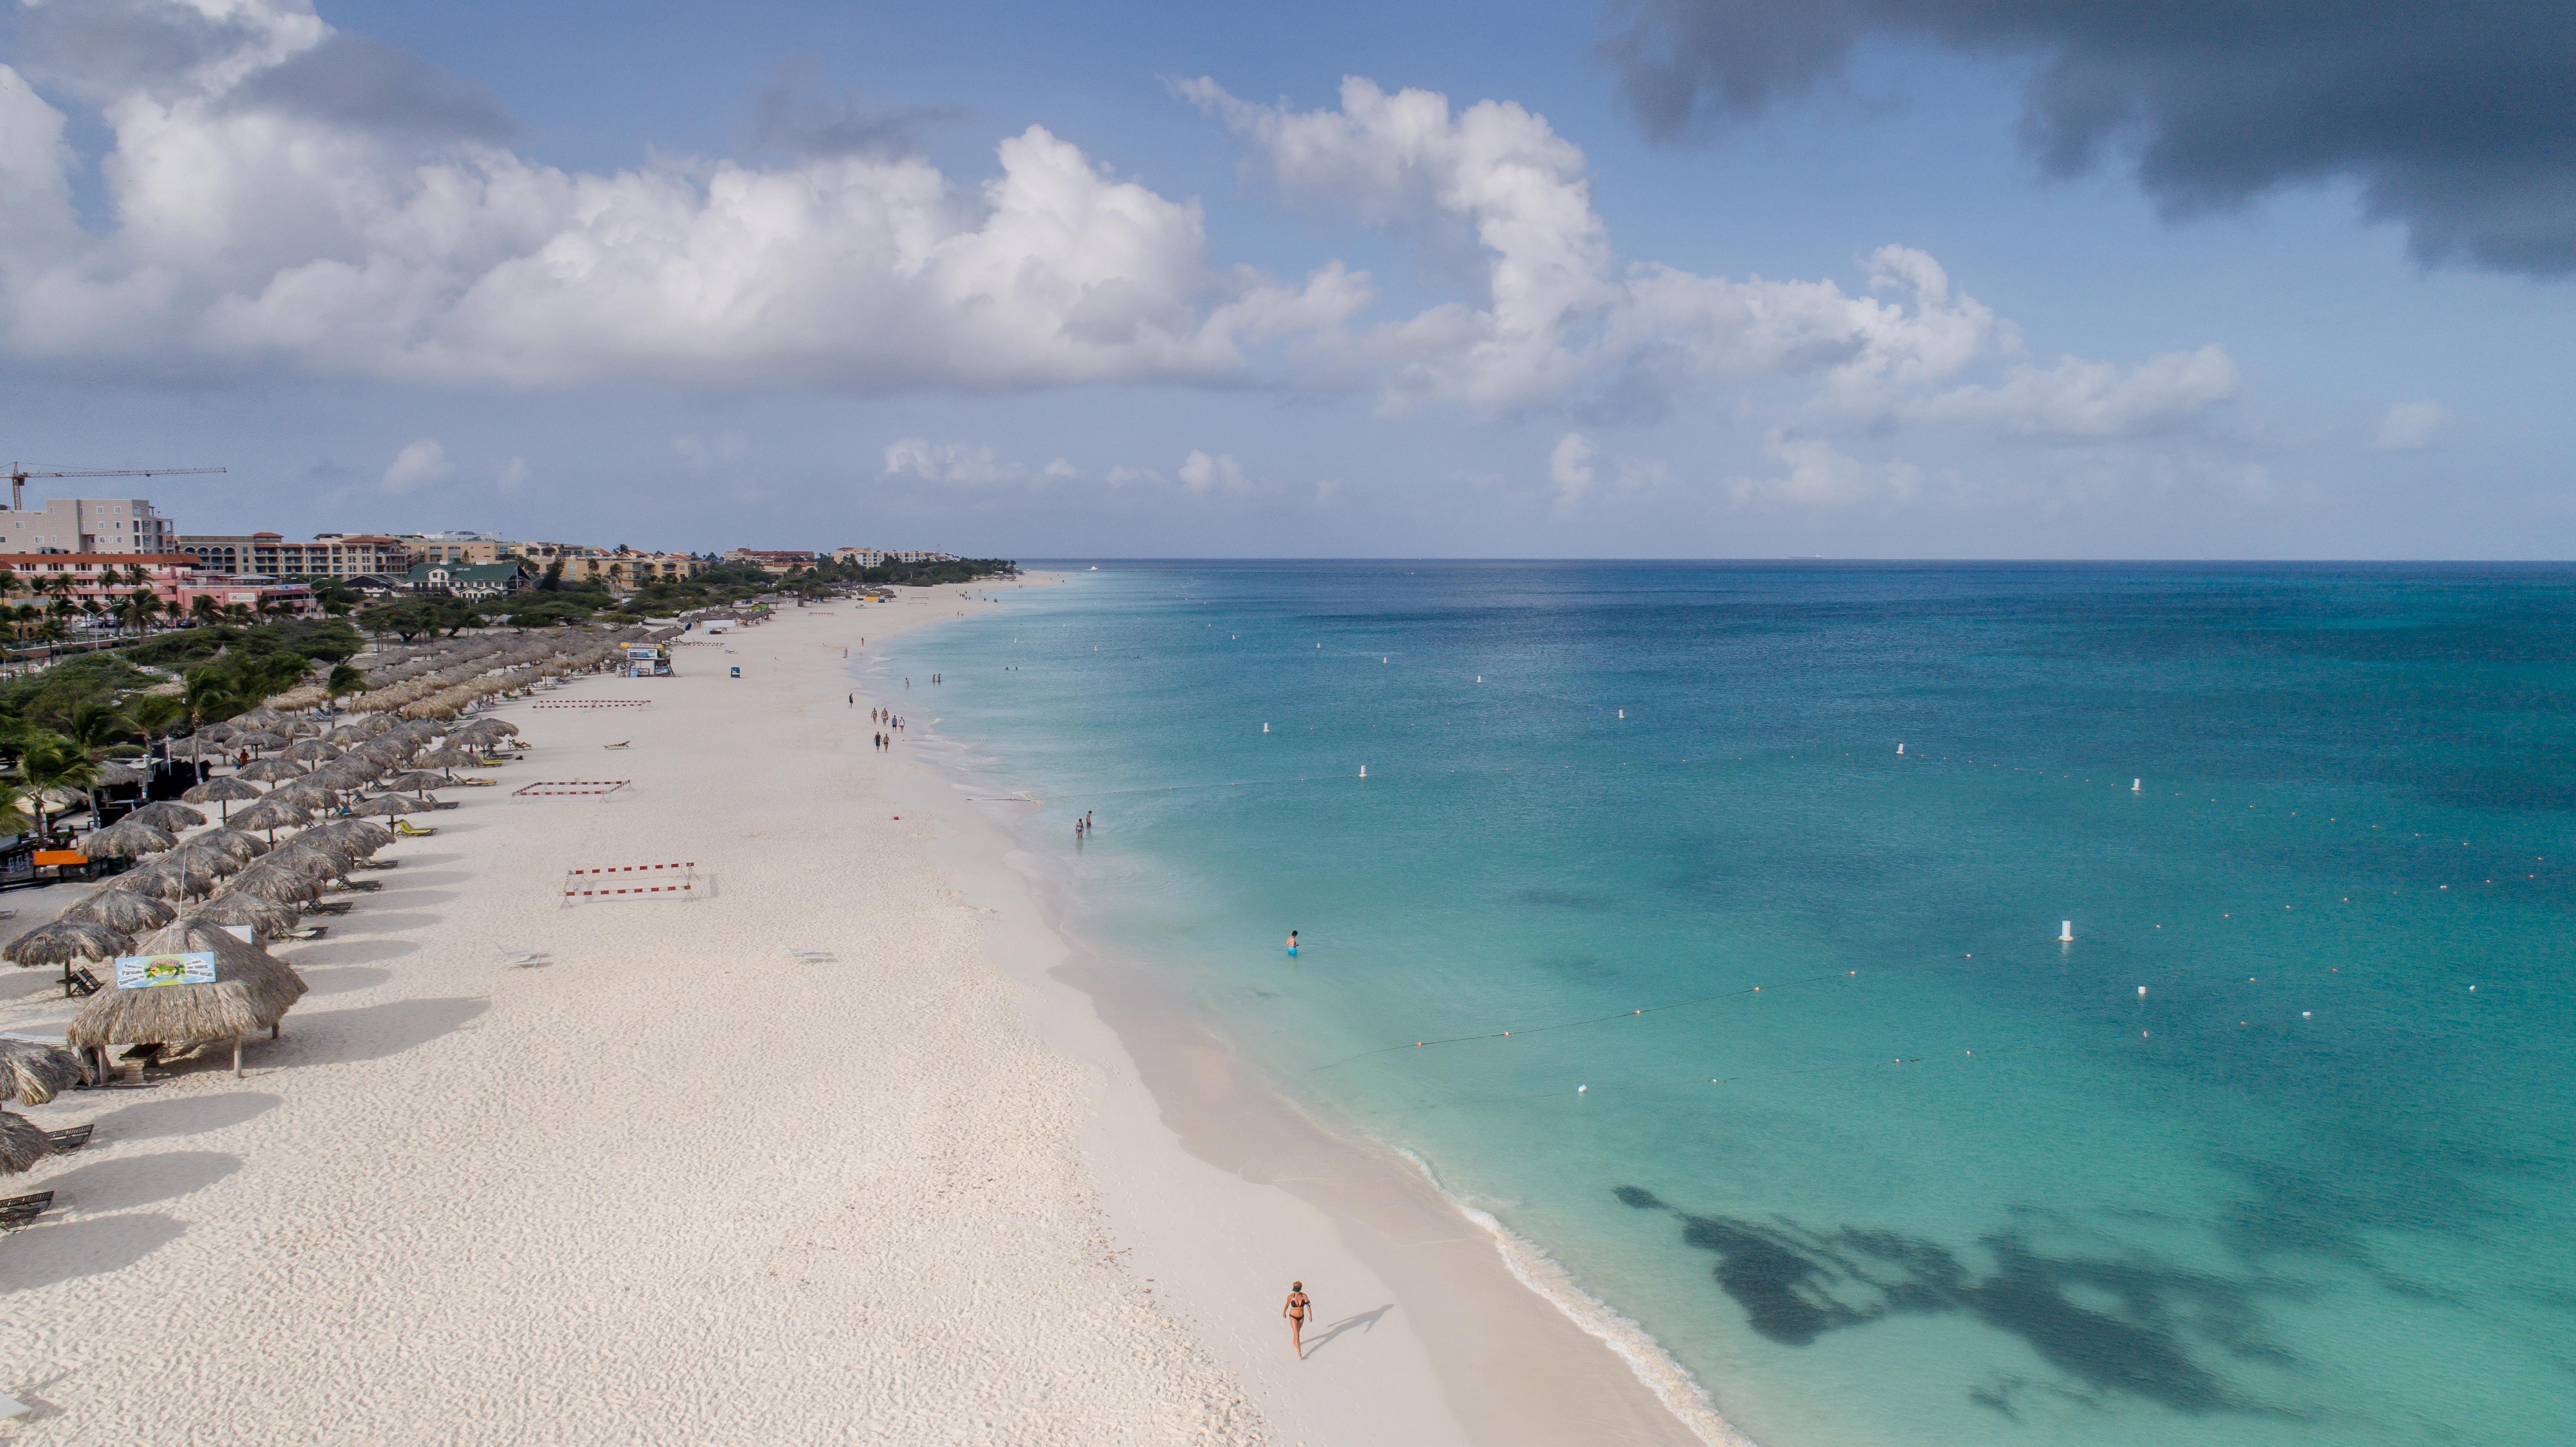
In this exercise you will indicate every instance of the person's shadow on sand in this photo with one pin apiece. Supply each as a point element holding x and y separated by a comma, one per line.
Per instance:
<point>1366,1321</point>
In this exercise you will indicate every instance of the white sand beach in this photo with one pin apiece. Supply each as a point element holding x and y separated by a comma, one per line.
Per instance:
<point>672,1184</point>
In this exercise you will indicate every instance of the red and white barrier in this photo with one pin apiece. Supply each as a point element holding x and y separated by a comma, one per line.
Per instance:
<point>679,881</point>
<point>592,703</point>
<point>546,787</point>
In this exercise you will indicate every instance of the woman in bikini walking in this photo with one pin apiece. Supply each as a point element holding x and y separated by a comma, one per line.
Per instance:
<point>1299,1305</point>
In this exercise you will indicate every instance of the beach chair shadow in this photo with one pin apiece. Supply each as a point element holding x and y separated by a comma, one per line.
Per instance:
<point>811,957</point>
<point>522,959</point>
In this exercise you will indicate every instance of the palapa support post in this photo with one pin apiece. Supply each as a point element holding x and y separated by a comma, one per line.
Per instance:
<point>236,1057</point>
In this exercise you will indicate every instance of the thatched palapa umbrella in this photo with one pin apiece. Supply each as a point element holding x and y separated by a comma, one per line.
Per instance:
<point>34,1072</point>
<point>268,916</point>
<point>127,911</point>
<point>259,742</point>
<point>179,874</point>
<point>226,792</point>
<point>126,839</point>
<point>269,771</point>
<point>419,781</point>
<point>168,814</point>
<point>217,859</point>
<point>271,815</point>
<point>22,1144</point>
<point>252,990</point>
<point>365,834</point>
<point>306,795</point>
<point>241,846</point>
<point>278,883</point>
<point>312,751</point>
<point>66,942</point>
<point>390,805</point>
<point>449,757</point>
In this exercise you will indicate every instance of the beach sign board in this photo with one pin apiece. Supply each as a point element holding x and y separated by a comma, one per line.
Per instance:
<point>142,972</point>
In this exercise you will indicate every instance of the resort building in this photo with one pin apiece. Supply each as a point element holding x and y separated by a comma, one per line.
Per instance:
<point>469,580</point>
<point>176,578</point>
<point>87,525</point>
<point>621,571</point>
<point>773,560</point>
<point>329,555</point>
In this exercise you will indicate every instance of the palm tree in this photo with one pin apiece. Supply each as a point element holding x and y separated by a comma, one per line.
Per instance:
<point>94,724</point>
<point>50,761</point>
<point>203,608</point>
<point>14,818</point>
<point>141,607</point>
<point>237,614</point>
<point>206,696</point>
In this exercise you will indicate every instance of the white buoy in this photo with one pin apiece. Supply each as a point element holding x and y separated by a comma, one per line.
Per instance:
<point>1581,1089</point>
<point>1623,713</point>
<point>1381,660</point>
<point>1900,748</point>
<point>1363,771</point>
<point>1265,728</point>
<point>1480,678</point>
<point>2066,932</point>
<point>2136,786</point>
<point>2142,992</point>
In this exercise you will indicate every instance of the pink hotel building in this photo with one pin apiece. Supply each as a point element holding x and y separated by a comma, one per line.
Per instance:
<point>179,578</point>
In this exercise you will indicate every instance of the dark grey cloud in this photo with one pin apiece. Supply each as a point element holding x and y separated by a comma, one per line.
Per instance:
<point>2457,118</point>
<point>789,119</point>
<point>368,85</point>
<point>104,48</point>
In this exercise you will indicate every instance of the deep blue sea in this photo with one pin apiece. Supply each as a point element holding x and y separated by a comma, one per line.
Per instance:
<point>1943,1178</point>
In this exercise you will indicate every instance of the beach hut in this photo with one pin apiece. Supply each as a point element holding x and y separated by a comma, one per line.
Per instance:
<point>33,1072</point>
<point>126,839</point>
<point>252,990</point>
<point>168,814</point>
<point>226,792</point>
<point>66,942</point>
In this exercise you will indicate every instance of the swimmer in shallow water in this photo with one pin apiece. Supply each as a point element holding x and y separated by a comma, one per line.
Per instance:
<point>1292,942</point>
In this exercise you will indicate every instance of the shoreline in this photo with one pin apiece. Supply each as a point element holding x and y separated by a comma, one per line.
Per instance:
<point>1520,1354</point>
<point>675,1186</point>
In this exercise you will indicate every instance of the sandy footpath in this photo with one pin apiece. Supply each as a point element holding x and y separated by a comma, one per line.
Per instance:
<point>673,1186</point>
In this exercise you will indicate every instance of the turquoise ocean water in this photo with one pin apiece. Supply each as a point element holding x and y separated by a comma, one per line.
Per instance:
<point>1942,1179</point>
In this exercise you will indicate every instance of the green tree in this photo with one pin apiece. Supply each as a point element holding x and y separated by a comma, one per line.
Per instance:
<point>343,681</point>
<point>207,696</point>
<point>203,609</point>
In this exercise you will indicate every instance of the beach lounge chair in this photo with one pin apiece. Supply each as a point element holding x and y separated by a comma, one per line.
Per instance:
<point>305,932</point>
<point>376,863</point>
<point>521,959</point>
<point>444,804</point>
<point>70,1138</point>
<point>17,1211</point>
<point>621,743</point>
<point>82,982</point>
<point>408,830</point>
<point>479,783</point>
<point>811,957</point>
<point>368,885</point>
<point>337,906</point>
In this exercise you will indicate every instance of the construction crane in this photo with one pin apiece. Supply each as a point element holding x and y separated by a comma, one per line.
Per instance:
<point>18,475</point>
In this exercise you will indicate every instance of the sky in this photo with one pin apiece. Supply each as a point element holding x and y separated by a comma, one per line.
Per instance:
<point>1645,278</point>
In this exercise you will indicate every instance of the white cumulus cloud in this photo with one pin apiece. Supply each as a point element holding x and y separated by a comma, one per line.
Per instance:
<point>416,467</point>
<point>2413,426</point>
<point>246,226</point>
<point>1558,320</point>
<point>1818,474</point>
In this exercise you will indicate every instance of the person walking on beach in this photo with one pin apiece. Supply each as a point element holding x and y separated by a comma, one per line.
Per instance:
<point>1299,1307</point>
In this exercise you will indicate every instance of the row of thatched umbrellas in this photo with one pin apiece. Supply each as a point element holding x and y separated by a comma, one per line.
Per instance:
<point>184,894</point>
